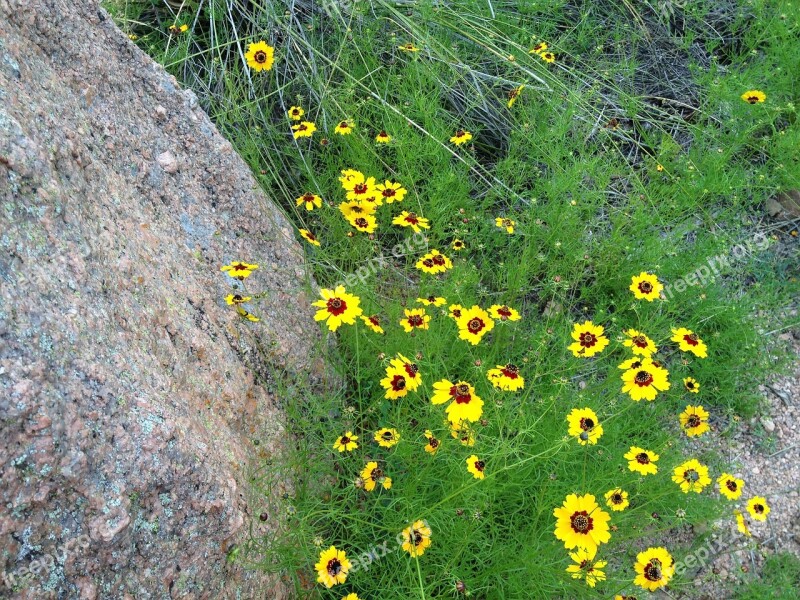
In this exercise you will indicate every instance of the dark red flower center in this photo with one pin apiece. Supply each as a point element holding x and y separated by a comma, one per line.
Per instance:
<point>260,56</point>
<point>428,263</point>
<point>375,321</point>
<point>461,393</point>
<point>415,320</point>
<point>643,378</point>
<point>301,127</point>
<point>388,192</point>
<point>640,341</point>
<point>398,383</point>
<point>412,369</point>
<point>475,325</point>
<point>412,218</point>
<point>345,440</point>
<point>504,312</point>
<point>511,371</point>
<point>587,423</point>
<point>581,522</point>
<point>308,197</point>
<point>438,260</point>
<point>693,421</point>
<point>387,436</point>
<point>616,498</point>
<point>691,339</point>
<point>691,476</point>
<point>383,134</point>
<point>360,188</point>
<point>752,99</point>
<point>376,474</point>
<point>652,571</point>
<point>690,385</point>
<point>343,125</point>
<point>643,458</point>
<point>417,537</point>
<point>588,339</point>
<point>336,306</point>
<point>361,223</point>
<point>731,485</point>
<point>460,133</point>
<point>479,466</point>
<point>434,443</point>
<point>457,313</point>
<point>759,508</point>
<point>334,567</point>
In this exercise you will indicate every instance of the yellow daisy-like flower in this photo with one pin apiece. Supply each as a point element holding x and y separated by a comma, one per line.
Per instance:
<point>383,137</point>
<point>581,523</point>
<point>350,177</point>
<point>432,301</point>
<point>754,96</point>
<point>344,127</point>
<point>411,219</point>
<point>433,444</point>
<point>332,567</point>
<point>239,270</point>
<point>304,129</point>
<point>476,466</point>
<point>645,382</point>
<point>730,486</point>
<point>364,190</point>
<point>309,237</point>
<point>260,56</point>
<point>584,568</point>
<point>691,385</point>
<point>463,432</point>
<point>395,383</point>
<point>506,377</point>
<point>692,476</point>
<point>646,286</point>
<point>642,461</point>
<point>548,57</point>
<point>503,312</point>
<point>589,339</point>
<point>465,405</point>
<point>504,223</point>
<point>434,262</point>
<point>741,524</point>
<point>357,208</point>
<point>758,508</point>
<point>310,200</point>
<point>247,315</point>
<point>416,538</point>
<point>373,323</point>
<point>632,363</point>
<point>373,475</point>
<point>416,318</point>
<point>617,499</point>
<point>387,437</point>
<point>346,442</point>
<point>457,245</point>
<point>391,191</point>
<point>689,341</point>
<point>234,299</point>
<point>538,48</point>
<point>461,137</point>
<point>513,95</point>
<point>295,113</point>
<point>364,223</point>
<point>337,307</point>
<point>413,376</point>
<point>654,568</point>
<point>584,425</point>
<point>639,343</point>
<point>473,324</point>
<point>455,311</point>
<point>409,47</point>
<point>694,420</point>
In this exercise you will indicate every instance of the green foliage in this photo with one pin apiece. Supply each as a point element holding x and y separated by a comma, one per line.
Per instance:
<point>780,580</point>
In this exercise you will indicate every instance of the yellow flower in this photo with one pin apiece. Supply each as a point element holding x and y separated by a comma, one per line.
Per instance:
<point>538,48</point>
<point>346,442</point>
<point>387,437</point>
<point>337,307</point>
<point>391,191</point>
<point>639,343</point>
<point>295,113</point>
<point>434,262</point>
<point>356,208</point>
<point>260,56</point>
<point>692,476</point>
<point>473,324</point>
<point>689,341</point>
<point>234,299</point>
<point>589,339</point>
<point>350,177</point>
<point>466,405</point>
<point>309,237</point>
<point>581,523</point>
<point>584,424</point>
<point>758,508</point>
<point>617,499</point>
<point>548,57</point>
<point>730,486</point>
<point>506,224</point>
<point>373,323</point>
<point>513,95</point>
<point>416,538</point>
<point>409,47</point>
<point>344,127</point>
<point>246,315</point>
<point>364,223</point>
<point>463,432</point>
<point>416,318</point>
<point>310,200</point>
<point>506,377</point>
<point>654,568</point>
<point>584,568</point>
<point>332,567</point>
<point>741,524</point>
<point>694,420</point>
<point>410,219</point>
<point>691,385</point>
<point>304,129</point>
<point>363,190</point>
<point>395,383</point>
<point>476,466</point>
<point>373,475</point>
<point>239,270</point>
<point>432,301</point>
<point>433,444</point>
<point>642,461</point>
<point>632,363</point>
<point>754,96</point>
<point>646,286</point>
<point>503,312</point>
<point>383,137</point>
<point>457,245</point>
<point>645,381</point>
<point>455,311</point>
<point>461,137</point>
<point>411,370</point>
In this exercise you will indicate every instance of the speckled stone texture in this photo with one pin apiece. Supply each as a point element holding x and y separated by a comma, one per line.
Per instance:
<point>130,394</point>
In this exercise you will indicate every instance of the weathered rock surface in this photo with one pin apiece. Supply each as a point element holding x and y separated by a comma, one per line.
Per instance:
<point>128,400</point>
